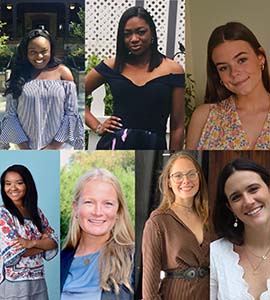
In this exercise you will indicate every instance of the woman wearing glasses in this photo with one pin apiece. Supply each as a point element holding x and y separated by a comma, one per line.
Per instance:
<point>176,236</point>
<point>41,99</point>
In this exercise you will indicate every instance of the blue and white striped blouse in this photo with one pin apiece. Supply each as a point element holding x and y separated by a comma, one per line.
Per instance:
<point>45,111</point>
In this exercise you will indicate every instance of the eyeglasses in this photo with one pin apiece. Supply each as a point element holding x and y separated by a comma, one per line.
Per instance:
<point>178,177</point>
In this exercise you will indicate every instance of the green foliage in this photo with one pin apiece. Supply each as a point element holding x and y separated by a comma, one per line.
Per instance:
<point>92,61</point>
<point>5,51</point>
<point>78,28</point>
<point>120,163</point>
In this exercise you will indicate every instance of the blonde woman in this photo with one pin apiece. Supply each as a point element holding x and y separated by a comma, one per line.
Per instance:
<point>97,256</point>
<point>176,236</point>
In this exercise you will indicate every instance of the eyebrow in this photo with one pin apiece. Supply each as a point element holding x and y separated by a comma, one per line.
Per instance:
<point>247,187</point>
<point>236,56</point>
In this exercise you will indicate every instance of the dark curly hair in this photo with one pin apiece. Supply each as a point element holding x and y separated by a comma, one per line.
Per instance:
<point>30,198</point>
<point>21,68</point>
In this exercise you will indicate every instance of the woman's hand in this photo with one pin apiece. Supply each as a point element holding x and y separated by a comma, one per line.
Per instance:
<point>20,243</point>
<point>110,125</point>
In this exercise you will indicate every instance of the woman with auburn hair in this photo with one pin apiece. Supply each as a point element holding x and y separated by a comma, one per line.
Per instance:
<point>97,256</point>
<point>26,238</point>
<point>240,258</point>
<point>147,88</point>
<point>237,116</point>
<point>176,236</point>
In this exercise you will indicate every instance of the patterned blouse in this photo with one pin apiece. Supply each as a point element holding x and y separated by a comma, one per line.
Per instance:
<point>13,266</point>
<point>45,111</point>
<point>223,130</point>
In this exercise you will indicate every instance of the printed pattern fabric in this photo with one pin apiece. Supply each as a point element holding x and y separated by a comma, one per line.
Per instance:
<point>223,130</point>
<point>13,265</point>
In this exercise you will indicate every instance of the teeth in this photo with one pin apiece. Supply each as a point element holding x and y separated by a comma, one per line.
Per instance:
<point>254,211</point>
<point>96,221</point>
<point>39,61</point>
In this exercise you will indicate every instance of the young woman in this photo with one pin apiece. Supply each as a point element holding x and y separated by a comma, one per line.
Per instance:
<point>147,88</point>
<point>240,259</point>
<point>26,238</point>
<point>176,237</point>
<point>97,256</point>
<point>238,117</point>
<point>41,99</point>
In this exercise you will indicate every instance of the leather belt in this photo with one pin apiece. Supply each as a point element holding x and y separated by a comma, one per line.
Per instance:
<point>189,273</point>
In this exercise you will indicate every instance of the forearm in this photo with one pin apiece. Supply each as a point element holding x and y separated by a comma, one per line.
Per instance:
<point>54,145</point>
<point>44,244</point>
<point>176,139</point>
<point>32,251</point>
<point>90,120</point>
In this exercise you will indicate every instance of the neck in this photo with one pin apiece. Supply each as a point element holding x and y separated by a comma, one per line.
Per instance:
<point>141,60</point>
<point>90,244</point>
<point>186,205</point>
<point>258,237</point>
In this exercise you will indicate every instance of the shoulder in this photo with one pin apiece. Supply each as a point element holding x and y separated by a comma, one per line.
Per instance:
<point>173,66</point>
<point>200,114</point>
<point>65,73</point>
<point>220,245</point>
<point>67,254</point>
<point>110,62</point>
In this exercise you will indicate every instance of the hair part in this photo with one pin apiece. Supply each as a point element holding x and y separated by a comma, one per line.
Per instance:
<point>200,199</point>
<point>122,53</point>
<point>223,217</point>
<point>116,257</point>
<point>30,199</point>
<point>232,31</point>
<point>21,68</point>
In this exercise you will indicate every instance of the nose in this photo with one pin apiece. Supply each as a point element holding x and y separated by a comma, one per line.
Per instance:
<point>248,198</point>
<point>13,186</point>
<point>185,178</point>
<point>235,71</point>
<point>97,209</point>
<point>40,55</point>
<point>134,37</point>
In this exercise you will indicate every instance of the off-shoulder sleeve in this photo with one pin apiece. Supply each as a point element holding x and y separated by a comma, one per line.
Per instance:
<point>152,256</point>
<point>9,254</point>
<point>105,70</point>
<point>174,80</point>
<point>71,129</point>
<point>11,130</point>
<point>49,254</point>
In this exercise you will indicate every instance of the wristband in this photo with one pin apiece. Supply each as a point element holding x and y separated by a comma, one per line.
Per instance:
<point>97,131</point>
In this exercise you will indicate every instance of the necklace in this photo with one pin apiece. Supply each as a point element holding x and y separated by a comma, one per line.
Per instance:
<point>262,258</point>
<point>189,209</point>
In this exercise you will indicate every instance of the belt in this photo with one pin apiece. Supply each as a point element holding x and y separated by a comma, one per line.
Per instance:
<point>189,273</point>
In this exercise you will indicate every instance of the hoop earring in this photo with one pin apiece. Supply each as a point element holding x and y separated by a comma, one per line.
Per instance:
<point>235,224</point>
<point>262,67</point>
<point>221,82</point>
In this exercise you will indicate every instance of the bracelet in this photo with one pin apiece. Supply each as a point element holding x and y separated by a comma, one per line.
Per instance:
<point>97,130</point>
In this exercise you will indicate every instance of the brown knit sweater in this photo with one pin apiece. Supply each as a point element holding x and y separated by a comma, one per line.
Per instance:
<point>168,244</point>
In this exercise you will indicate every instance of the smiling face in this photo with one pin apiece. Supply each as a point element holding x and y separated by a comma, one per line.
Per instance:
<point>97,208</point>
<point>238,66</point>
<point>15,188</point>
<point>248,197</point>
<point>188,186</point>
<point>137,36</point>
<point>39,52</point>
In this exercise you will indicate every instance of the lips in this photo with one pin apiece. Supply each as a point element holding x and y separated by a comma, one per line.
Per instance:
<point>96,222</point>
<point>254,211</point>
<point>238,83</point>
<point>186,188</point>
<point>135,48</point>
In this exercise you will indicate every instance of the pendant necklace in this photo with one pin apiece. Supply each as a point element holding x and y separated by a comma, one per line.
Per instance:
<point>262,258</point>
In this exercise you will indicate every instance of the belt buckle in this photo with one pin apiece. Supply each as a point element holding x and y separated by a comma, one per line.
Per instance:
<point>190,273</point>
<point>201,272</point>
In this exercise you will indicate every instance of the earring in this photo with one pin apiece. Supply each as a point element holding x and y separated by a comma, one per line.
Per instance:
<point>152,40</point>
<point>235,224</point>
<point>262,67</point>
<point>221,82</point>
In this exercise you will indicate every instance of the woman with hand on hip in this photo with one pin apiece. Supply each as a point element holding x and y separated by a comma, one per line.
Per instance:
<point>41,98</point>
<point>147,88</point>
<point>176,236</point>
<point>97,256</point>
<point>240,259</point>
<point>26,238</point>
<point>238,116</point>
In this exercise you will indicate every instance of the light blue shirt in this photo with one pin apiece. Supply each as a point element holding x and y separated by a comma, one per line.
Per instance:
<point>83,280</point>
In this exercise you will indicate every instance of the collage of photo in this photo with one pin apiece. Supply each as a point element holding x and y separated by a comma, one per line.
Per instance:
<point>154,118</point>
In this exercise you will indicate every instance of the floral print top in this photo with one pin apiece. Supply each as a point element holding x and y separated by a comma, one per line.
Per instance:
<point>223,130</point>
<point>13,266</point>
